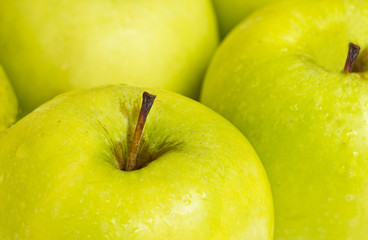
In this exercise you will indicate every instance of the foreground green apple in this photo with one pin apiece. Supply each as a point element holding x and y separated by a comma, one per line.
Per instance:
<point>63,174</point>
<point>49,47</point>
<point>279,78</point>
<point>231,12</point>
<point>8,102</point>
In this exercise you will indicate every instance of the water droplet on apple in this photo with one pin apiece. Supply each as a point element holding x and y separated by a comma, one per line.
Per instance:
<point>352,133</point>
<point>203,196</point>
<point>187,201</point>
<point>113,221</point>
<point>341,170</point>
<point>349,197</point>
<point>351,173</point>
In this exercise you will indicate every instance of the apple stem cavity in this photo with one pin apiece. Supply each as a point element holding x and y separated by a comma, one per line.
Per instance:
<point>147,103</point>
<point>352,56</point>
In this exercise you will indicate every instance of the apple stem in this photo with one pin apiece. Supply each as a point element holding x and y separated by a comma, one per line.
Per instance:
<point>352,56</point>
<point>147,103</point>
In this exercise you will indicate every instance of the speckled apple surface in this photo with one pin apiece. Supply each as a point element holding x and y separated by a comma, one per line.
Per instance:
<point>49,47</point>
<point>8,102</point>
<point>232,12</point>
<point>278,77</point>
<point>59,177</point>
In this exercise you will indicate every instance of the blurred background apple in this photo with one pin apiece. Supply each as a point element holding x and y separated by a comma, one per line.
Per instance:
<point>8,102</point>
<point>48,47</point>
<point>232,12</point>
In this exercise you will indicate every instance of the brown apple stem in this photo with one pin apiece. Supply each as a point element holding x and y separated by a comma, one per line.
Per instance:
<point>352,56</point>
<point>147,103</point>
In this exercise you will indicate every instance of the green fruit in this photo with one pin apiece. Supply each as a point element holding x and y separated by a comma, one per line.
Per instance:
<point>279,78</point>
<point>201,179</point>
<point>232,12</point>
<point>8,102</point>
<point>49,47</point>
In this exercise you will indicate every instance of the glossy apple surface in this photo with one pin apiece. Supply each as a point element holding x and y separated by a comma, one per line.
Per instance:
<point>278,77</point>
<point>8,102</point>
<point>59,177</point>
<point>232,12</point>
<point>49,47</point>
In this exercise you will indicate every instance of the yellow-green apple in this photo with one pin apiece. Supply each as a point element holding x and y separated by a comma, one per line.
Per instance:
<point>280,78</point>
<point>8,102</point>
<point>48,47</point>
<point>232,12</point>
<point>91,164</point>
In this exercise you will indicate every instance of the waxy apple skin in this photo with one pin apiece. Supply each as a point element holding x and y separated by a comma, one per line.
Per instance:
<point>8,102</point>
<point>278,78</point>
<point>49,47</point>
<point>59,177</point>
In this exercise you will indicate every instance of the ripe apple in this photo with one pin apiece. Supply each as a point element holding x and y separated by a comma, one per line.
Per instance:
<point>49,47</point>
<point>8,102</point>
<point>232,12</point>
<point>66,172</point>
<point>279,78</point>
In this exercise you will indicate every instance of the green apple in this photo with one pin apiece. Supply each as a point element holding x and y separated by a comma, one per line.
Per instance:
<point>64,171</point>
<point>232,12</point>
<point>8,102</point>
<point>279,78</point>
<point>48,47</point>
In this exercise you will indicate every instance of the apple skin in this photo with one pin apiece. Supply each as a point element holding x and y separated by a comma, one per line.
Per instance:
<point>278,78</point>
<point>232,12</point>
<point>59,177</point>
<point>8,102</point>
<point>49,47</point>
